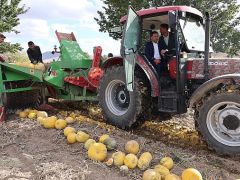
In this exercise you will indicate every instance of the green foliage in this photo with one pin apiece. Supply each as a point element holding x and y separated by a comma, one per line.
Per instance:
<point>10,10</point>
<point>224,35</point>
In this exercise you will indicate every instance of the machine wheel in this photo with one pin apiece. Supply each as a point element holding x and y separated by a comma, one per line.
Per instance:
<point>120,107</point>
<point>218,121</point>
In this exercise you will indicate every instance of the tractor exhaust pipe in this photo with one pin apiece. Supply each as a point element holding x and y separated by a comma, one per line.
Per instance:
<point>207,43</point>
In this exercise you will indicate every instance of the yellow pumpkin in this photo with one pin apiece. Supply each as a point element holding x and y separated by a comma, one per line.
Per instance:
<point>151,174</point>
<point>118,158</point>
<point>167,162</point>
<point>60,124</point>
<point>23,114</point>
<point>162,170</point>
<point>97,152</point>
<point>33,111</point>
<point>70,120</point>
<point>144,160</point>
<point>69,130</point>
<point>103,138</point>
<point>82,137</point>
<point>71,138</point>
<point>27,110</point>
<point>40,120</point>
<point>131,161</point>
<point>191,174</point>
<point>32,115</point>
<point>49,122</point>
<point>132,147</point>
<point>42,114</point>
<point>88,143</point>
<point>172,177</point>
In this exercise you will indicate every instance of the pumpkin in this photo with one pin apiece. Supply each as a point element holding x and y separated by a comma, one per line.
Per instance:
<point>42,114</point>
<point>132,147</point>
<point>23,114</point>
<point>191,173</point>
<point>151,174</point>
<point>70,120</point>
<point>103,138</point>
<point>88,143</point>
<point>82,137</point>
<point>40,120</point>
<point>33,111</point>
<point>162,170</point>
<point>49,122</point>
<point>69,130</point>
<point>27,110</point>
<point>97,152</point>
<point>131,161</point>
<point>109,162</point>
<point>123,170</point>
<point>71,138</point>
<point>172,177</point>
<point>32,115</point>
<point>60,124</point>
<point>167,162</point>
<point>110,143</point>
<point>144,160</point>
<point>118,158</point>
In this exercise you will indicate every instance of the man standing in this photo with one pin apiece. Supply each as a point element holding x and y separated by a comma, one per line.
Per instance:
<point>166,41</point>
<point>34,53</point>
<point>2,38</point>
<point>152,52</point>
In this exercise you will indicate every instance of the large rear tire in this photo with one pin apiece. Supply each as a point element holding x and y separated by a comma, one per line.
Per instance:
<point>120,107</point>
<point>218,120</point>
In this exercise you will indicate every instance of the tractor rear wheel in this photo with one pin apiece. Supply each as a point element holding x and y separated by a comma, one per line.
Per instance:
<point>218,121</point>
<point>120,107</point>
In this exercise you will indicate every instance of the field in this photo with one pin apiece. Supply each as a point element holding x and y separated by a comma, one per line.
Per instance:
<point>28,151</point>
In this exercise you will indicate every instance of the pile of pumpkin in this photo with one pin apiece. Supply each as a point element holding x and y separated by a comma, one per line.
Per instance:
<point>98,151</point>
<point>39,66</point>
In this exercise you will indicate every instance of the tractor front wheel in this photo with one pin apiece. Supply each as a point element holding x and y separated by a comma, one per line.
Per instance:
<point>120,107</point>
<point>218,121</point>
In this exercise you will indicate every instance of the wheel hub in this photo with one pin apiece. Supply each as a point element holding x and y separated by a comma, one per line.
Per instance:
<point>117,97</point>
<point>229,120</point>
<point>223,122</point>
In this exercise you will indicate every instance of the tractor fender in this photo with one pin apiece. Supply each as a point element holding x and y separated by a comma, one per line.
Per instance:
<point>210,84</point>
<point>147,68</point>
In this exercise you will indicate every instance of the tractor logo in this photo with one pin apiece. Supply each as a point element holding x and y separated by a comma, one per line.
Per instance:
<point>218,63</point>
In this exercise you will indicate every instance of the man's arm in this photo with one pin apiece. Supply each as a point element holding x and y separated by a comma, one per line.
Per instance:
<point>30,56</point>
<point>40,54</point>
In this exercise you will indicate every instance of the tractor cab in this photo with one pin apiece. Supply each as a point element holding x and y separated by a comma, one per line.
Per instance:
<point>186,25</point>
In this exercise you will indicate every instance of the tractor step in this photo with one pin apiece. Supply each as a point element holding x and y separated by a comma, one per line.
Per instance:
<point>167,102</point>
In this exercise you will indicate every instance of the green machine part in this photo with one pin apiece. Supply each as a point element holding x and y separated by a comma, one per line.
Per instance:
<point>72,56</point>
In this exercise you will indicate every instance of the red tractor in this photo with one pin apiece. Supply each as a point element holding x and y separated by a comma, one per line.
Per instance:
<point>131,86</point>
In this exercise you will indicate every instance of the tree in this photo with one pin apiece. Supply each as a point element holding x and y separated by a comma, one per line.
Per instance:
<point>224,35</point>
<point>10,10</point>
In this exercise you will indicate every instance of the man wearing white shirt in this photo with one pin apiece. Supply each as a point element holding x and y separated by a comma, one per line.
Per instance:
<point>152,52</point>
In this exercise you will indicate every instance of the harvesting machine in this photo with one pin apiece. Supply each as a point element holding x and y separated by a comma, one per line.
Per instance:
<point>74,77</point>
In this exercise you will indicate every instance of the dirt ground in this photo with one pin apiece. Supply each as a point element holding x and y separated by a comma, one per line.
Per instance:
<point>28,151</point>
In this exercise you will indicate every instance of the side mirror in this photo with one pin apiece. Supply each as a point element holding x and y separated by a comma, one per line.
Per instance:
<point>117,30</point>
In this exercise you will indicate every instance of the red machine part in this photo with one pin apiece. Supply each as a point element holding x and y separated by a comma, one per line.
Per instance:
<point>2,114</point>
<point>172,68</point>
<point>94,74</point>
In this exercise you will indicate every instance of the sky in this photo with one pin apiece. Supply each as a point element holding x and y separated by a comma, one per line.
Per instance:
<point>46,16</point>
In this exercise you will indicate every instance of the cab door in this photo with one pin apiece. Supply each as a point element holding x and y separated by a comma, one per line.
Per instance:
<point>130,45</point>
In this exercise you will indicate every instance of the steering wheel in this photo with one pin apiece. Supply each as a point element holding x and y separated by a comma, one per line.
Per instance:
<point>170,53</point>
